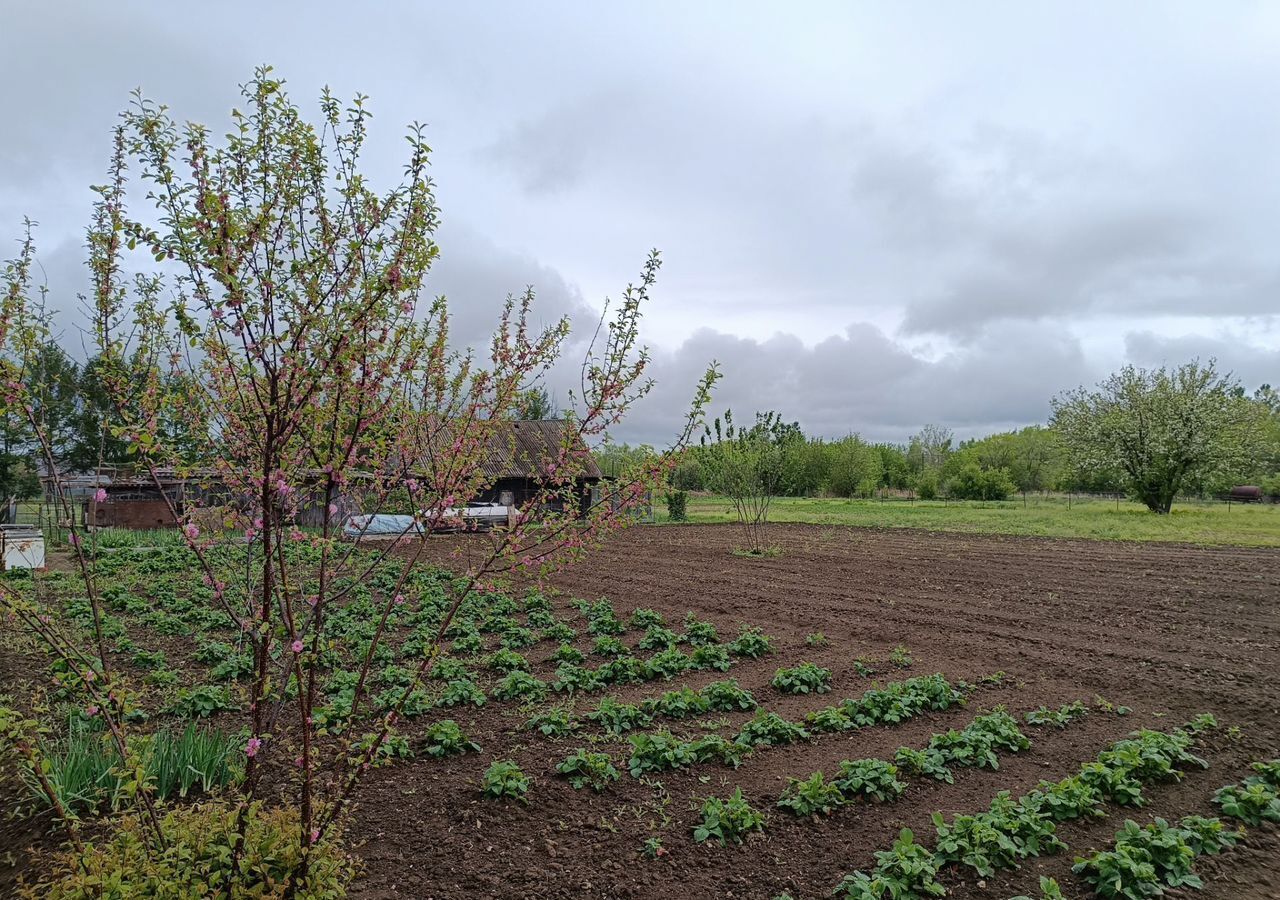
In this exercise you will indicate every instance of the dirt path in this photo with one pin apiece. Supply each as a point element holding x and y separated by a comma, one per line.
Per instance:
<point>1168,630</point>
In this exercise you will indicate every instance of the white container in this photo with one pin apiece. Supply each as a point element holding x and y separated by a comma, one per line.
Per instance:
<point>21,547</point>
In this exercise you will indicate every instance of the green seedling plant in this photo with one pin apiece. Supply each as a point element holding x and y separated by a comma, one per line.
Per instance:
<point>873,779</point>
<point>505,660</point>
<point>698,633</point>
<point>460,692</point>
<point>682,703</point>
<point>624,670</point>
<point>728,821</point>
<point>751,643</point>
<point>1058,718</point>
<point>552,722</point>
<point>710,656</point>
<point>504,779</point>
<point>727,696</point>
<point>658,637</point>
<point>567,653</point>
<point>769,728</point>
<point>617,718</point>
<point>646,618</point>
<point>659,751</point>
<point>900,656</point>
<point>446,738</point>
<point>609,646</point>
<point>1256,798</point>
<point>805,678</point>
<point>811,796</point>
<point>714,748</point>
<point>1145,860</point>
<point>669,663</point>
<point>588,769</point>
<point>520,685</point>
<point>904,872</point>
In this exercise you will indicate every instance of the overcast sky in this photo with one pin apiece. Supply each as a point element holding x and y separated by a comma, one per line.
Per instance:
<point>873,215</point>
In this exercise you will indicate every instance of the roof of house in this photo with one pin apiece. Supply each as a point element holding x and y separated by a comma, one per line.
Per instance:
<point>523,449</point>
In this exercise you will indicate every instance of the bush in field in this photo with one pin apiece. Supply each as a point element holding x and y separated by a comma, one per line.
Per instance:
<point>677,506</point>
<point>975,483</point>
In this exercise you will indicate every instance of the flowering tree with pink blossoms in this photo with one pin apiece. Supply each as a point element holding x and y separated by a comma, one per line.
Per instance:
<point>274,310</point>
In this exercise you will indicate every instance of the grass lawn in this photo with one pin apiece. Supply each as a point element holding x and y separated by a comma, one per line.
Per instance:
<point>1253,525</point>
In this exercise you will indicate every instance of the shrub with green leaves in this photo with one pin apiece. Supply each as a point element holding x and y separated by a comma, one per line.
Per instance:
<point>805,678</point>
<point>727,696</point>
<point>868,778</point>
<point>585,768</point>
<point>198,852</point>
<point>445,738</point>
<point>521,686</point>
<point>617,718</point>
<point>502,779</point>
<point>811,796</point>
<point>751,643</point>
<point>728,821</point>
<point>768,728</point>
<point>659,751</point>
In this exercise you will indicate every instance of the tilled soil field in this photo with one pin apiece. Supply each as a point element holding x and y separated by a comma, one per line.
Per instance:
<point>1168,630</point>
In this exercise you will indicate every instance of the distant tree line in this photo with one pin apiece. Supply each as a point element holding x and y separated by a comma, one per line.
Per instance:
<point>1152,435</point>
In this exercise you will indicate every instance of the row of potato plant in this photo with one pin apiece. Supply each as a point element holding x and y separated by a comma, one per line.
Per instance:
<point>1015,829</point>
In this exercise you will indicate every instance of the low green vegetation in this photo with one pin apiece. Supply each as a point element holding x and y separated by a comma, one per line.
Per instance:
<point>1255,525</point>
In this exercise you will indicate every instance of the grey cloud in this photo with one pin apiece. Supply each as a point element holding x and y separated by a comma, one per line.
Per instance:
<point>863,381</point>
<point>1253,365</point>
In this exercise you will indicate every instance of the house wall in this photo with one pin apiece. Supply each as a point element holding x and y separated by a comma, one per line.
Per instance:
<point>132,514</point>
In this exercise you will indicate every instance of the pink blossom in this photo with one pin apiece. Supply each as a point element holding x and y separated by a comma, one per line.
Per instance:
<point>192,531</point>
<point>100,495</point>
<point>312,601</point>
<point>90,675</point>
<point>251,748</point>
<point>315,835</point>
<point>333,509</point>
<point>399,599</point>
<point>283,488</point>
<point>91,711</point>
<point>250,533</point>
<point>297,761</point>
<point>297,646</point>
